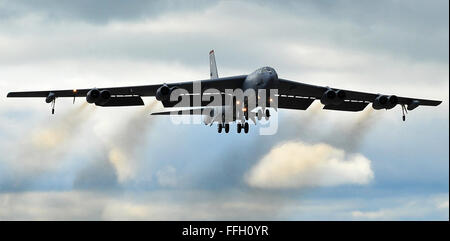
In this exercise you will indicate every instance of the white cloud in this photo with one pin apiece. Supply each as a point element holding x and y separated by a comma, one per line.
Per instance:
<point>210,205</point>
<point>413,208</point>
<point>158,205</point>
<point>40,149</point>
<point>297,164</point>
<point>443,205</point>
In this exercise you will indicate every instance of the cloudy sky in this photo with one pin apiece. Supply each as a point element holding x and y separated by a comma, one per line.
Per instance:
<point>88,162</point>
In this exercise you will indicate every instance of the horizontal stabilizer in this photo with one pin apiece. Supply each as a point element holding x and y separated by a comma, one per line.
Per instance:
<point>196,111</point>
<point>193,101</point>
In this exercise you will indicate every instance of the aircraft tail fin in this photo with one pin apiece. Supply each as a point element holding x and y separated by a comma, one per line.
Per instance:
<point>212,66</point>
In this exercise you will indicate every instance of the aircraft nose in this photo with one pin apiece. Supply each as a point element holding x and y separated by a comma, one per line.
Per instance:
<point>273,74</point>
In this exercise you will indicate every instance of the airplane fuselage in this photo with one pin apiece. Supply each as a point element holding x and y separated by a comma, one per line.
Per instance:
<point>262,78</point>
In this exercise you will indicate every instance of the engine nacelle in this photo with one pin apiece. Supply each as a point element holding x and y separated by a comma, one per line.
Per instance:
<point>50,97</point>
<point>333,97</point>
<point>163,92</point>
<point>385,102</point>
<point>99,97</point>
<point>105,95</point>
<point>92,96</point>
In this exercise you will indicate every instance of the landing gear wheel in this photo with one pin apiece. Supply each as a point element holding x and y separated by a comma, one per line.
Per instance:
<point>219,128</point>
<point>246,127</point>
<point>260,114</point>
<point>239,128</point>
<point>267,114</point>
<point>227,128</point>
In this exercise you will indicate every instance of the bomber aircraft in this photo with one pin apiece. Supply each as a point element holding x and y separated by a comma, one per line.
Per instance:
<point>234,99</point>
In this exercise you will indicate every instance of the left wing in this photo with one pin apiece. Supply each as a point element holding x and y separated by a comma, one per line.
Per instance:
<point>293,94</point>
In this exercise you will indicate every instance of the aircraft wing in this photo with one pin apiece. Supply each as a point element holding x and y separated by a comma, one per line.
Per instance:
<point>295,95</point>
<point>143,90</point>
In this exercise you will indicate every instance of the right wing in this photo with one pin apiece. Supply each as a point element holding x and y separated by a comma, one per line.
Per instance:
<point>143,90</point>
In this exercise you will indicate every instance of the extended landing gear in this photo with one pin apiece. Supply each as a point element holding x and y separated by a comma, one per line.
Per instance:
<point>259,115</point>
<point>220,127</point>
<point>404,112</point>
<point>53,103</point>
<point>246,127</point>
<point>267,114</point>
<point>242,126</point>
<point>239,127</point>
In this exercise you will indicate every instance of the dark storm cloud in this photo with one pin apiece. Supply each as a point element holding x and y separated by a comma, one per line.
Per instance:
<point>100,11</point>
<point>417,29</point>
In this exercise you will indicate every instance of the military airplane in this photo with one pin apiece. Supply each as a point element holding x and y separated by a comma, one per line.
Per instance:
<point>288,95</point>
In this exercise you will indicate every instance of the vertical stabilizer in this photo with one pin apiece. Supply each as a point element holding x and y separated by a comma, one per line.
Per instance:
<point>212,66</point>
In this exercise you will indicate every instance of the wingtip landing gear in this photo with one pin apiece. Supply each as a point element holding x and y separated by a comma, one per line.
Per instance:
<point>53,106</point>
<point>404,112</point>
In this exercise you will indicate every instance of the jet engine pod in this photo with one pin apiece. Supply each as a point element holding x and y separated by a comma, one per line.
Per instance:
<point>392,102</point>
<point>92,96</point>
<point>380,102</point>
<point>341,95</point>
<point>163,93</point>
<point>104,97</point>
<point>50,97</point>
<point>328,97</point>
<point>333,97</point>
<point>385,102</point>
